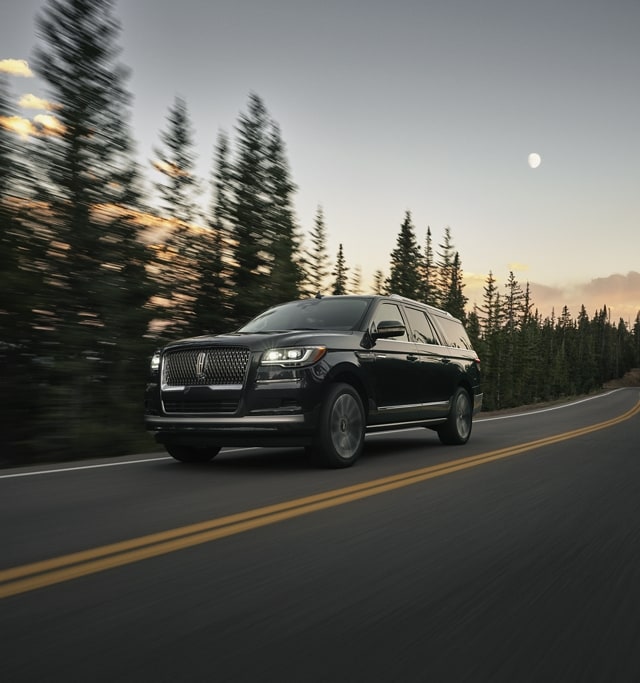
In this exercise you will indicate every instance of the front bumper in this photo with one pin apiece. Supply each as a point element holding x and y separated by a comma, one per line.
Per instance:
<point>249,430</point>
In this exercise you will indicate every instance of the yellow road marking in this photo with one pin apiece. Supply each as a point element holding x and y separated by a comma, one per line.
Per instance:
<point>58,569</point>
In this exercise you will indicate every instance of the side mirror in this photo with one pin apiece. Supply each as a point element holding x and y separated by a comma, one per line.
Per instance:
<point>388,328</point>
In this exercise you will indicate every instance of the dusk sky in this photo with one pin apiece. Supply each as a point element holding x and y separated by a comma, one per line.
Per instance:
<point>432,106</point>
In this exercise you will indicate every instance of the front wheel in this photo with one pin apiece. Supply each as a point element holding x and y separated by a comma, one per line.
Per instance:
<point>340,438</point>
<point>457,429</point>
<point>191,453</point>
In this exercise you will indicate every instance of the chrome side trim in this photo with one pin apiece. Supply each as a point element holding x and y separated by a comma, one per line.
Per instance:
<point>434,404</point>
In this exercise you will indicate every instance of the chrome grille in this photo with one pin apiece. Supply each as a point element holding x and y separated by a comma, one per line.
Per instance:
<point>214,365</point>
<point>184,406</point>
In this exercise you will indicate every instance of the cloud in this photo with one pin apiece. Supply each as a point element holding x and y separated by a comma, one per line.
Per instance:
<point>620,286</point>
<point>518,267</point>
<point>16,67</point>
<point>619,293</point>
<point>43,125</point>
<point>48,124</point>
<point>30,101</point>
<point>23,127</point>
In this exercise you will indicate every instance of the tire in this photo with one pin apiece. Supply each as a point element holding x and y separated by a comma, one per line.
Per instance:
<point>457,429</point>
<point>191,453</point>
<point>340,437</point>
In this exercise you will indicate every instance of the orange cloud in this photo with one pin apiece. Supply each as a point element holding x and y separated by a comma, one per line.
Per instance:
<point>42,125</point>
<point>619,293</point>
<point>16,67</point>
<point>48,125</point>
<point>30,101</point>
<point>19,125</point>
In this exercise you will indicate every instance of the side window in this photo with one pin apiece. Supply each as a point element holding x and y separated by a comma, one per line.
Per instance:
<point>454,333</point>
<point>388,311</point>
<point>422,331</point>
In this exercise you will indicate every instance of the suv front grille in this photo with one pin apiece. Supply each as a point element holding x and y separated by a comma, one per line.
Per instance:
<point>210,366</point>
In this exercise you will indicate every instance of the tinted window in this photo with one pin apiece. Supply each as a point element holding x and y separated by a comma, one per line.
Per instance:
<point>311,314</point>
<point>389,311</point>
<point>422,331</point>
<point>454,333</point>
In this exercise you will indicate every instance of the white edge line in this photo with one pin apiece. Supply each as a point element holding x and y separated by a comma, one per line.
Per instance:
<point>546,410</point>
<point>90,467</point>
<point>391,431</point>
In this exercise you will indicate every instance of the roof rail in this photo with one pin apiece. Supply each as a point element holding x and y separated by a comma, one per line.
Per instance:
<point>399,297</point>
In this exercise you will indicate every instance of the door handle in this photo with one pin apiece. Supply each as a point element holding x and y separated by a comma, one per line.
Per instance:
<point>411,357</point>
<point>445,360</point>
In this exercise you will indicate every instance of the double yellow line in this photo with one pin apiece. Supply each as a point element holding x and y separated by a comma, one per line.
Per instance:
<point>56,570</point>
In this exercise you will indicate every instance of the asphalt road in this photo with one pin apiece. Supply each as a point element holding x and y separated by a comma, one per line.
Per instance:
<point>513,558</point>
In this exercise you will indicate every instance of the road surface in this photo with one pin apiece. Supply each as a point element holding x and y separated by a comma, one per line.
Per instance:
<point>513,558</point>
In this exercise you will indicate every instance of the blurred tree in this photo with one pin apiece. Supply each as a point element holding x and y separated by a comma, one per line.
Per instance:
<point>176,256</point>
<point>286,273</point>
<point>97,288</point>
<point>406,263</point>
<point>340,274</point>
<point>251,235</point>
<point>20,283</point>
<point>378,282</point>
<point>212,314</point>
<point>355,285</point>
<point>175,161</point>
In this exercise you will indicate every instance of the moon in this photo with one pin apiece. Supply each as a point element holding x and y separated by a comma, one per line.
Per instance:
<point>534,160</point>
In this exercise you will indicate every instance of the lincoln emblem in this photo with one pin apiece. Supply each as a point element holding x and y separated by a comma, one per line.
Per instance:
<point>201,362</point>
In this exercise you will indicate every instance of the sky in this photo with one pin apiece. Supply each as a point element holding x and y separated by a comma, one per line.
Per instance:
<point>427,106</point>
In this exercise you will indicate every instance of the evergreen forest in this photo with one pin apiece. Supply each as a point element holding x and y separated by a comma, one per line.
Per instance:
<point>97,271</point>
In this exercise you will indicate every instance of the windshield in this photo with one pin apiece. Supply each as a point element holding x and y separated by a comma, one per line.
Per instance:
<point>311,314</point>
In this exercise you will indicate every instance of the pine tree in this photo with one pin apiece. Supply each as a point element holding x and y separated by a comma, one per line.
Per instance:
<point>444,265</point>
<point>177,264</point>
<point>428,272</point>
<point>490,350</point>
<point>455,301</point>
<point>512,361</point>
<point>251,235</point>
<point>175,161</point>
<point>489,316</point>
<point>378,282</point>
<point>356,280</point>
<point>514,313</point>
<point>14,302</point>
<point>340,273</point>
<point>212,259</point>
<point>285,270</point>
<point>406,263</point>
<point>318,256</point>
<point>20,282</point>
<point>98,287</point>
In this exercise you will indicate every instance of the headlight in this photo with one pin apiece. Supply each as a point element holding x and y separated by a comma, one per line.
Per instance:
<point>295,356</point>
<point>155,361</point>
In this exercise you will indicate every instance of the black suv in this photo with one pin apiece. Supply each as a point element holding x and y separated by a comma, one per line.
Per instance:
<point>318,373</point>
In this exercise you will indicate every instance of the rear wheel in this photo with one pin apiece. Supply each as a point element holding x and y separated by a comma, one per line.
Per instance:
<point>457,428</point>
<point>340,436</point>
<point>191,453</point>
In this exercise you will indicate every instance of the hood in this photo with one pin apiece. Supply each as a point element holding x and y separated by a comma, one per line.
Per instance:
<point>268,340</point>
